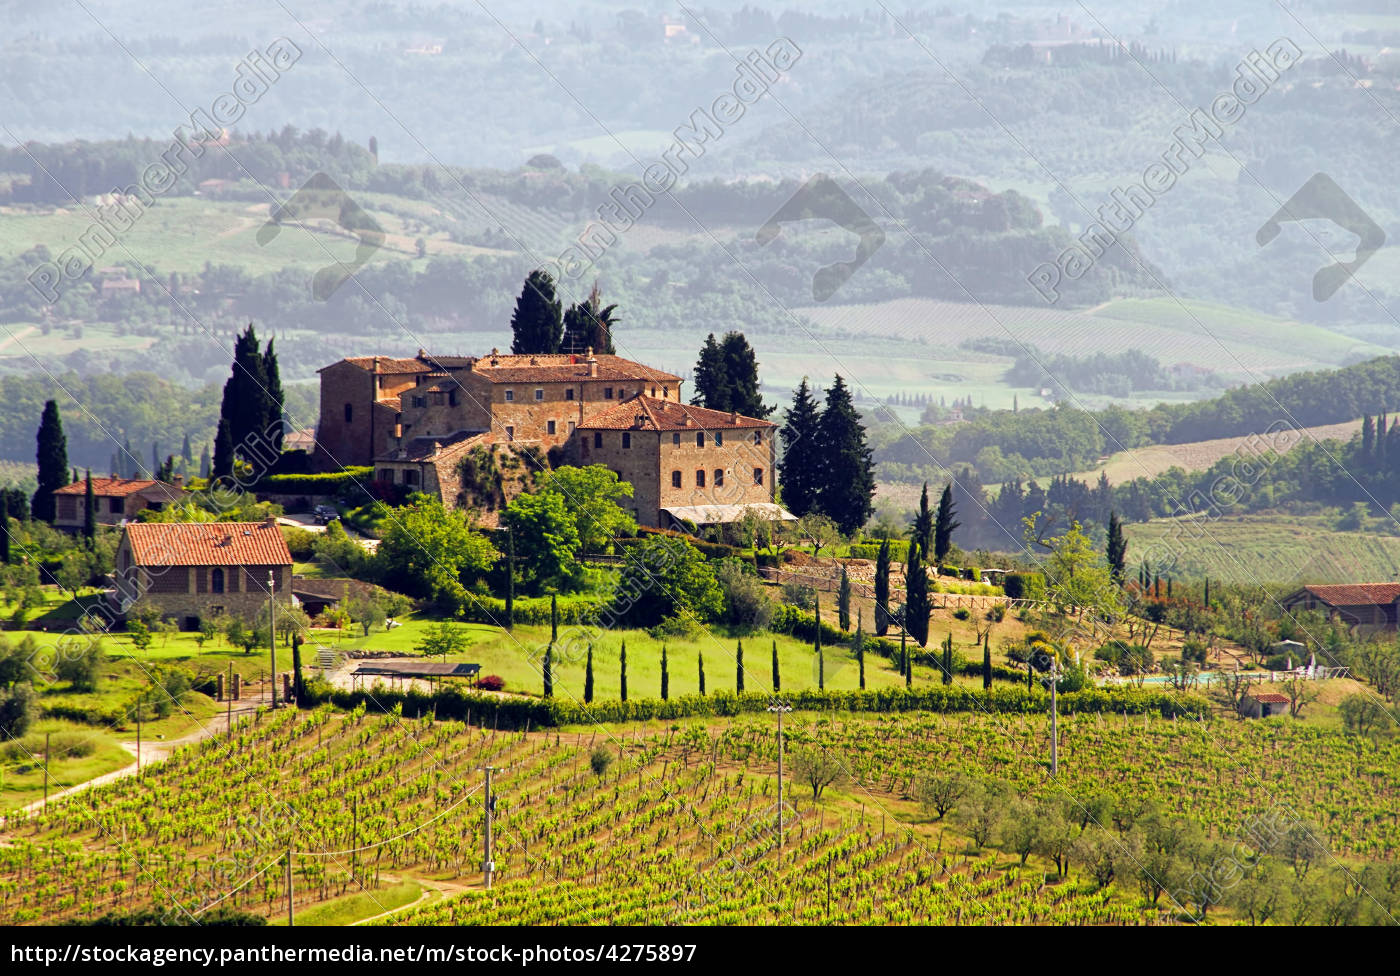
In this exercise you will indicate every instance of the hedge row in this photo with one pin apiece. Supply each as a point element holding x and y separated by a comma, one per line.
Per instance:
<point>899,550</point>
<point>711,550</point>
<point>330,483</point>
<point>520,713</point>
<point>787,619</point>
<point>1024,586</point>
<point>530,610</point>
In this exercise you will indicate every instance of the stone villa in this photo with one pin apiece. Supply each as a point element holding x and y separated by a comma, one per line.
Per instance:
<point>426,423</point>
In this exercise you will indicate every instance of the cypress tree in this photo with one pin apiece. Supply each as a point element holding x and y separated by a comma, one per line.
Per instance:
<point>1169,587</point>
<point>549,671</point>
<point>916,599</point>
<point>223,451</point>
<point>537,324</point>
<point>948,660</point>
<point>588,325</point>
<point>553,617</point>
<point>588,677</point>
<point>89,512</point>
<point>777,679</point>
<point>274,399</point>
<point>847,474</point>
<point>510,579</point>
<point>986,661</point>
<point>185,450</point>
<point>817,636</point>
<point>739,668</point>
<point>799,468</point>
<point>843,601</point>
<point>204,461</point>
<point>52,458</point>
<point>860,648</point>
<point>944,524</point>
<point>622,670</point>
<point>882,589</point>
<point>665,675</point>
<point>5,531</point>
<point>711,379</point>
<point>1207,596</point>
<point>922,533</point>
<point>298,684</point>
<point>906,659</point>
<point>702,671</point>
<point>247,404</point>
<point>1117,547</point>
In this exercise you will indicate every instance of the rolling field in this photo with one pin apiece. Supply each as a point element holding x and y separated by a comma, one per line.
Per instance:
<point>1239,345</point>
<point>1264,548</point>
<point>1151,461</point>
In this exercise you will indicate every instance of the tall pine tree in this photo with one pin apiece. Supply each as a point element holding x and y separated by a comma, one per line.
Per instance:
<point>711,378</point>
<point>741,376</point>
<point>89,512</point>
<point>846,487</point>
<point>777,678</point>
<point>799,469</point>
<point>739,668</point>
<point>537,322</point>
<point>52,457</point>
<point>843,601</point>
<point>665,675</point>
<point>251,408</point>
<point>944,524</point>
<point>275,402</point>
<point>588,677</point>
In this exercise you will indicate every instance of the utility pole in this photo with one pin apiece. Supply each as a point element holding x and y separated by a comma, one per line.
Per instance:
<point>488,866</point>
<point>46,772</point>
<point>779,707</point>
<point>272,633</point>
<point>138,734</point>
<point>228,701</point>
<point>290,920</point>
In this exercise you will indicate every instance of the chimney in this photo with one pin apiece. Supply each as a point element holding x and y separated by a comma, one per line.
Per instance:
<point>270,521</point>
<point>592,364</point>
<point>733,416</point>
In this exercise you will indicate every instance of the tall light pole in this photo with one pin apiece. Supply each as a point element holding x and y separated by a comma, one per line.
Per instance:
<point>488,866</point>
<point>1054,717</point>
<point>779,707</point>
<point>272,630</point>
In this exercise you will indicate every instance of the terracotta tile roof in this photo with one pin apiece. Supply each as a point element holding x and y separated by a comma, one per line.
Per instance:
<point>654,413</point>
<point>387,364</point>
<point>115,487</point>
<point>207,544</point>
<point>1355,594</point>
<point>1270,698</point>
<point>564,368</point>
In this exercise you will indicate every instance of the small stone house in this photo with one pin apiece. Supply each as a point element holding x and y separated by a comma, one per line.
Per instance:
<point>115,500</point>
<point>1262,704</point>
<point>193,570</point>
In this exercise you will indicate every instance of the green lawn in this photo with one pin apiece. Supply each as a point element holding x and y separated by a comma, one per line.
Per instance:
<point>353,908</point>
<point>79,753</point>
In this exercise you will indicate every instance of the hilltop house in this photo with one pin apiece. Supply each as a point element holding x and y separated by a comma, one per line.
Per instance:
<point>1367,607</point>
<point>432,424</point>
<point>115,500</point>
<point>192,570</point>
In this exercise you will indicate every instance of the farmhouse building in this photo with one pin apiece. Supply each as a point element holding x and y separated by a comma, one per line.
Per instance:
<point>194,570</point>
<point>115,500</point>
<point>1367,607</point>
<point>454,426</point>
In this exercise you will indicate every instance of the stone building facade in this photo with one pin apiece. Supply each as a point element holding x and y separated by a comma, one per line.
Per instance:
<point>554,409</point>
<point>115,500</point>
<point>194,570</point>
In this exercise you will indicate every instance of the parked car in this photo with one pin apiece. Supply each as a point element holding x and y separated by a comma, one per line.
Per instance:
<point>325,515</point>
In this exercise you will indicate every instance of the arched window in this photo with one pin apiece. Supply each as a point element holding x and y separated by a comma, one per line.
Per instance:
<point>700,478</point>
<point>216,578</point>
<point>349,413</point>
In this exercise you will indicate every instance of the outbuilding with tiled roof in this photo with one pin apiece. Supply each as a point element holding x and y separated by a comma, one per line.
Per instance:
<point>115,500</point>
<point>1366,607</point>
<point>194,570</point>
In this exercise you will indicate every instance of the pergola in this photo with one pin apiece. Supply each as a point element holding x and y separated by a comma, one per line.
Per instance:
<point>427,670</point>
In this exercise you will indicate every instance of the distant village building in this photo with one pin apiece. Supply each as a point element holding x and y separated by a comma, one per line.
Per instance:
<point>120,286</point>
<point>196,570</point>
<point>115,500</point>
<point>1366,607</point>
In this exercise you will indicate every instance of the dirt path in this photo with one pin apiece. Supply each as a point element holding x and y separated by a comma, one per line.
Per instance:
<point>151,752</point>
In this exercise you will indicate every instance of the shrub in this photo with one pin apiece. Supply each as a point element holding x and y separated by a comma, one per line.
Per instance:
<point>962,613</point>
<point>491,682</point>
<point>746,603</point>
<point>799,595</point>
<point>1025,586</point>
<point>790,620</point>
<point>330,483</point>
<point>300,543</point>
<point>600,759</point>
<point>997,613</point>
